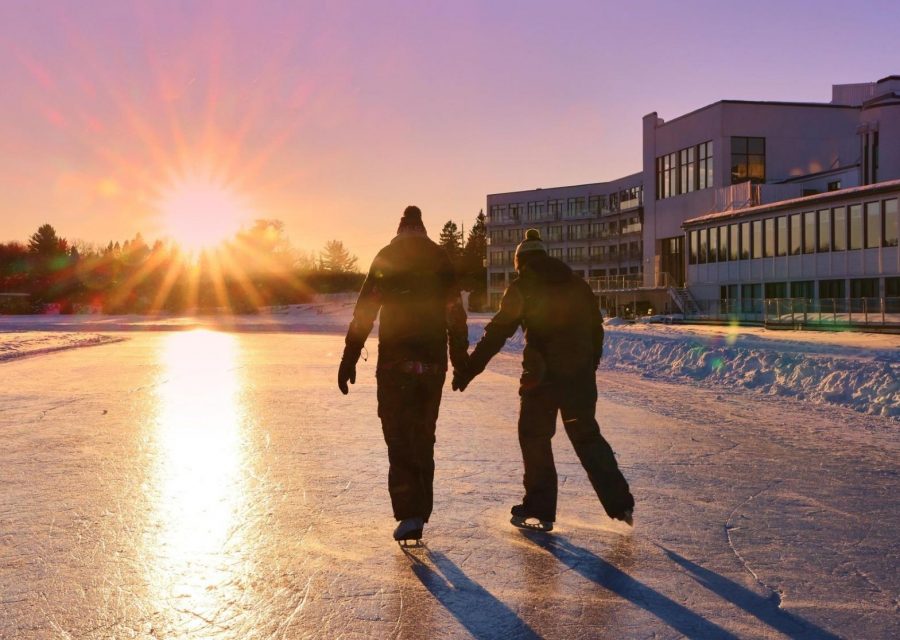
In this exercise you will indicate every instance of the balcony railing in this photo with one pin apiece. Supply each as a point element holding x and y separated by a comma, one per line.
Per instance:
<point>798,312</point>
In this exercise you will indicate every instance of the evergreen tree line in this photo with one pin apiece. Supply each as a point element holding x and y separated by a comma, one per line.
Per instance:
<point>258,267</point>
<point>468,258</point>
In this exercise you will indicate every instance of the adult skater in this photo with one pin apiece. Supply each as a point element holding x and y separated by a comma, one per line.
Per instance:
<point>413,284</point>
<point>563,344</point>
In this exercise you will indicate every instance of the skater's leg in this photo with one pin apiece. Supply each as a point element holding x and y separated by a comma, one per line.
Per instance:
<point>428,400</point>
<point>537,424</point>
<point>396,408</point>
<point>578,407</point>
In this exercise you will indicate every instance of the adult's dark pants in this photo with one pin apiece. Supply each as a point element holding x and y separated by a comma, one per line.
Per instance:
<point>408,405</point>
<point>576,399</point>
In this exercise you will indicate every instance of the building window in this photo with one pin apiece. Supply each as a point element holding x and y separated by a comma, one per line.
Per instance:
<point>498,279</point>
<point>856,226</point>
<point>839,220</point>
<point>873,225</point>
<point>809,232</point>
<point>514,211</point>
<point>757,239</point>
<point>497,258</point>
<point>745,241</point>
<point>782,237</point>
<point>554,234</point>
<point>824,230</point>
<point>555,208</point>
<point>734,243</point>
<point>597,204</point>
<point>574,207</point>
<point>834,185</point>
<point>713,244</point>
<point>705,165</point>
<point>703,246</point>
<point>555,253</point>
<point>776,290</point>
<point>796,234</point>
<point>864,288</point>
<point>890,223</point>
<point>832,289</point>
<point>748,160</point>
<point>769,245</point>
<point>576,254</point>
<point>687,170</point>
<point>723,243</point>
<point>803,289</point>
<point>892,289</point>
<point>578,231</point>
<point>536,210</point>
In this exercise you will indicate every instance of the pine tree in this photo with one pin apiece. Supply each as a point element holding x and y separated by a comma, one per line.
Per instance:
<point>451,240</point>
<point>44,242</point>
<point>335,258</point>
<point>474,272</point>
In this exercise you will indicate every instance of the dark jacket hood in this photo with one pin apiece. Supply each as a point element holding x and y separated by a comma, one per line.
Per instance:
<point>544,268</point>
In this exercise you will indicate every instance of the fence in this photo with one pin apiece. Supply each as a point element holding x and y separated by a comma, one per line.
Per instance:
<point>833,312</point>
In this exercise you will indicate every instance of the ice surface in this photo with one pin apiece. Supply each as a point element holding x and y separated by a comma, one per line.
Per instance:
<point>218,485</point>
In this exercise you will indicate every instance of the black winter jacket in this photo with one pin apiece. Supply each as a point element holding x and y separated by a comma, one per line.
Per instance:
<point>413,284</point>
<point>560,316</point>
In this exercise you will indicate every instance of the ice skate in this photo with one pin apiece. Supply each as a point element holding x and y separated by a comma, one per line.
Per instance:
<point>409,532</point>
<point>628,517</point>
<point>524,520</point>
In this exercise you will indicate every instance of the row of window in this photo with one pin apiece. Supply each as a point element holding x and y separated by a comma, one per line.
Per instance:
<point>581,231</point>
<point>685,170</point>
<point>806,289</point>
<point>597,253</point>
<point>554,209</point>
<point>844,228</point>
<point>499,278</point>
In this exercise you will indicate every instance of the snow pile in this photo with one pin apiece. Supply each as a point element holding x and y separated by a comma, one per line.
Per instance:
<point>21,345</point>
<point>866,381</point>
<point>858,371</point>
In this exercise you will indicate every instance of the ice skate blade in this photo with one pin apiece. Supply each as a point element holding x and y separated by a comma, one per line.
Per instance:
<point>538,525</point>
<point>410,543</point>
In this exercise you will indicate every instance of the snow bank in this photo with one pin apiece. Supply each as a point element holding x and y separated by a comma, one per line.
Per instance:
<point>858,371</point>
<point>21,345</point>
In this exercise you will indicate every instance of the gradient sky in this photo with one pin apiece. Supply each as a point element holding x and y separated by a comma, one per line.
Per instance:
<point>334,116</point>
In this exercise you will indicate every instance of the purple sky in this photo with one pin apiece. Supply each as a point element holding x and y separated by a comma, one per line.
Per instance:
<point>333,119</point>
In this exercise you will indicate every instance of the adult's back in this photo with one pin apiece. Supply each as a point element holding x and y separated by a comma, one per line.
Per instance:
<point>413,285</point>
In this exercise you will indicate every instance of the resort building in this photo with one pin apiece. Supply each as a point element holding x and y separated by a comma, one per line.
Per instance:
<point>743,209</point>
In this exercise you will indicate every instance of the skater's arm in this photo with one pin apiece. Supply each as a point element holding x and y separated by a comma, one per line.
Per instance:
<point>457,332</point>
<point>367,306</point>
<point>501,327</point>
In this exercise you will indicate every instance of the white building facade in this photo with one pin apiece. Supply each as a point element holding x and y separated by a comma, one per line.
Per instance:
<point>723,169</point>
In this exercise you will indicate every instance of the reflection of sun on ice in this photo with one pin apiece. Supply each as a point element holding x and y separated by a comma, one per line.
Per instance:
<point>201,212</point>
<point>198,482</point>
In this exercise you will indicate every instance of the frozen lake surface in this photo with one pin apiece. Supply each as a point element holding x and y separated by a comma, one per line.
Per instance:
<point>217,485</point>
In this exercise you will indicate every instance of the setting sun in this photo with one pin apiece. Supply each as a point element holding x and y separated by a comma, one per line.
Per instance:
<point>201,213</point>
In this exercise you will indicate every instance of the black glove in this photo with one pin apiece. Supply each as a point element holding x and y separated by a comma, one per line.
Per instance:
<point>461,379</point>
<point>347,371</point>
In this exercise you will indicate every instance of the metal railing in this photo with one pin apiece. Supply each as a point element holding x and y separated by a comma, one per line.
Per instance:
<point>825,312</point>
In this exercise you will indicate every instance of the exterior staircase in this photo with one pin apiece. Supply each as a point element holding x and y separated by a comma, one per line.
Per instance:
<point>684,301</point>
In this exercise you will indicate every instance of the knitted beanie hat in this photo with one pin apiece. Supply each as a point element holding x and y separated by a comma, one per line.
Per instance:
<point>411,220</point>
<point>532,242</point>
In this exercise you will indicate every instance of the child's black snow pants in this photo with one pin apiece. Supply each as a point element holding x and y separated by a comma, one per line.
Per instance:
<point>576,399</point>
